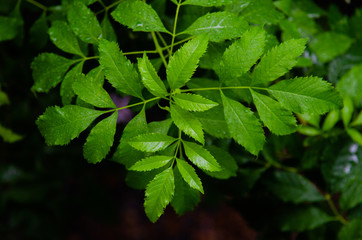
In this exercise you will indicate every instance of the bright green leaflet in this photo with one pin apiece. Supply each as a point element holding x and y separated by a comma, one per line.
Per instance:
<point>243,126</point>
<point>48,70</point>
<point>84,23</point>
<point>60,125</point>
<point>193,102</point>
<point>200,157</point>
<point>149,77</point>
<point>139,16</point>
<point>63,37</point>
<point>207,3</point>
<point>187,123</point>
<point>242,54</point>
<point>92,92</point>
<point>151,142</point>
<point>292,187</point>
<point>189,175</point>
<point>160,126</point>
<point>100,139</point>
<point>279,120</point>
<point>184,62</point>
<point>355,135</point>
<point>151,163</point>
<point>261,12</point>
<point>306,95</point>
<point>347,110</point>
<point>278,61</point>
<point>8,28</point>
<point>66,89</point>
<point>159,193</point>
<point>9,136</point>
<point>118,69</point>
<point>218,26</point>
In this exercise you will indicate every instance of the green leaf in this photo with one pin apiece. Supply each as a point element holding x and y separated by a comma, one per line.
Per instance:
<point>66,89</point>
<point>279,120</point>
<point>184,62</point>
<point>4,100</point>
<point>189,175</point>
<point>261,12</point>
<point>218,26</point>
<point>357,121</point>
<point>100,139</point>
<point>151,163</point>
<point>243,126</point>
<point>193,102</point>
<point>108,30</point>
<point>160,126</point>
<point>8,28</point>
<point>306,95</point>
<point>63,37</point>
<point>351,84</point>
<point>240,56</point>
<point>331,120</point>
<point>227,163</point>
<point>200,157</point>
<point>151,142</point>
<point>292,187</point>
<point>48,70</point>
<point>347,110</point>
<point>207,3</point>
<point>213,122</point>
<point>9,136</point>
<point>304,218</point>
<point>150,78</point>
<point>38,33</point>
<point>329,45</point>
<point>90,91</point>
<point>187,123</point>
<point>84,23</point>
<point>278,61</point>
<point>60,125</point>
<point>118,69</point>
<point>352,230</point>
<point>185,198</point>
<point>159,193</point>
<point>355,135</point>
<point>139,16</point>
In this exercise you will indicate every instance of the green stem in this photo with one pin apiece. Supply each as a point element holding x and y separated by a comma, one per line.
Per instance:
<point>158,48</point>
<point>174,26</point>
<point>334,209</point>
<point>39,5</point>
<point>221,88</point>
<point>140,52</point>
<point>132,105</point>
<point>167,47</point>
<point>109,7</point>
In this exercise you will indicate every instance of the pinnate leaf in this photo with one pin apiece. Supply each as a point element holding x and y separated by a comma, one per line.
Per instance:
<point>151,142</point>
<point>60,125</point>
<point>63,37</point>
<point>278,61</point>
<point>218,26</point>
<point>139,16</point>
<point>150,78</point>
<point>188,123</point>
<point>84,23</point>
<point>90,91</point>
<point>159,193</point>
<point>243,126</point>
<point>100,139</point>
<point>279,120</point>
<point>184,62</point>
<point>151,163</point>
<point>48,70</point>
<point>118,69</point>
<point>189,175</point>
<point>201,157</point>
<point>306,95</point>
<point>193,102</point>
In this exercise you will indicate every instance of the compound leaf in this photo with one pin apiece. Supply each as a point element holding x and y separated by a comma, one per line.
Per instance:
<point>184,62</point>
<point>218,26</point>
<point>159,193</point>
<point>201,157</point>
<point>150,163</point>
<point>100,139</point>
<point>188,123</point>
<point>150,78</point>
<point>118,69</point>
<point>243,126</point>
<point>189,175</point>
<point>279,120</point>
<point>306,95</point>
<point>193,102</point>
<point>151,142</point>
<point>90,91</point>
<point>60,125</point>
<point>278,61</point>
<point>139,16</point>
